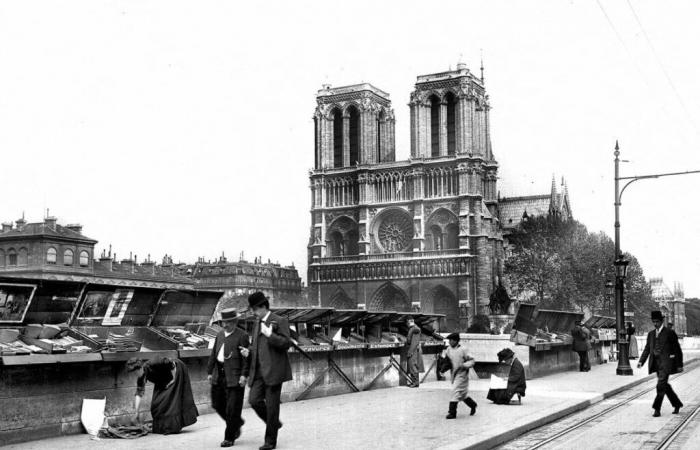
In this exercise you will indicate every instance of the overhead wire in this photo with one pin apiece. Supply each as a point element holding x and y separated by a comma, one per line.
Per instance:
<point>661,65</point>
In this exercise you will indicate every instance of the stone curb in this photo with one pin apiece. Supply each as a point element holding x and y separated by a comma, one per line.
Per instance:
<point>509,435</point>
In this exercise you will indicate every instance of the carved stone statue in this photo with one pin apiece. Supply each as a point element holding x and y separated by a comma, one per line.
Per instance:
<point>499,301</point>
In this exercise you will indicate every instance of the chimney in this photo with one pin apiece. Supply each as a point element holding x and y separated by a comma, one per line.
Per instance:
<point>149,265</point>
<point>50,222</point>
<point>106,261</point>
<point>128,263</point>
<point>75,227</point>
<point>7,226</point>
<point>21,222</point>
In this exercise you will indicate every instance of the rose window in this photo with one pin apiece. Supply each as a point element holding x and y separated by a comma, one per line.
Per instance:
<point>395,232</point>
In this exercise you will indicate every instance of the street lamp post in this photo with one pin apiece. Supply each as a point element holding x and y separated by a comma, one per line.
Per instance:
<point>623,361</point>
<point>623,366</point>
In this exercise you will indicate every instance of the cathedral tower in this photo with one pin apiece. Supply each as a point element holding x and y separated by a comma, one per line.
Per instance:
<point>394,235</point>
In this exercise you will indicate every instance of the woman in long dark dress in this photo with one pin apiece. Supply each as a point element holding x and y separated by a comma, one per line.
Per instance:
<point>632,339</point>
<point>516,379</point>
<point>172,404</point>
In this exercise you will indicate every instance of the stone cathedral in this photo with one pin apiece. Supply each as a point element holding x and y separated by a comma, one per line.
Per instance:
<point>416,235</point>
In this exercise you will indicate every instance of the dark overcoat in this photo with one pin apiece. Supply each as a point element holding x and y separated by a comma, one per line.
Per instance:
<point>414,352</point>
<point>268,355</point>
<point>665,354</point>
<point>235,364</point>
<point>582,339</point>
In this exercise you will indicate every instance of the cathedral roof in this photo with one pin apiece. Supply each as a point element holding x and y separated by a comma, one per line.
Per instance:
<point>511,210</point>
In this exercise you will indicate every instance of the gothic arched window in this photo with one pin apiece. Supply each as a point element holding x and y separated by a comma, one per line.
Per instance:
<point>434,126</point>
<point>451,123</point>
<point>452,236</point>
<point>354,130</point>
<point>337,138</point>
<point>380,125</point>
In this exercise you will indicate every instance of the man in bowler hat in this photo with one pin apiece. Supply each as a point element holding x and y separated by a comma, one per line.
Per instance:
<point>665,357</point>
<point>227,372</point>
<point>269,365</point>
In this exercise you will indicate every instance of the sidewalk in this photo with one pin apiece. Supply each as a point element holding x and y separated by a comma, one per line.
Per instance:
<point>393,418</point>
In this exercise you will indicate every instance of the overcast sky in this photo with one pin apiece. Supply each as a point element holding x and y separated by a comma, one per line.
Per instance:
<point>185,127</point>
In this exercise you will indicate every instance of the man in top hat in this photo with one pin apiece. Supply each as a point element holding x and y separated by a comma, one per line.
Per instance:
<point>581,345</point>
<point>227,372</point>
<point>461,363</point>
<point>269,365</point>
<point>665,357</point>
<point>414,356</point>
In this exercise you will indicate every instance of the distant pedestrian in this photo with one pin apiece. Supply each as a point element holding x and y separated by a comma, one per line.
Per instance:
<point>516,379</point>
<point>172,404</point>
<point>632,339</point>
<point>228,373</point>
<point>665,357</point>
<point>269,365</point>
<point>581,345</point>
<point>461,362</point>
<point>414,355</point>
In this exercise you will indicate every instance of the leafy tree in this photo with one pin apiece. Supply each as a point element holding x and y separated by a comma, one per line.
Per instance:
<point>560,265</point>
<point>480,324</point>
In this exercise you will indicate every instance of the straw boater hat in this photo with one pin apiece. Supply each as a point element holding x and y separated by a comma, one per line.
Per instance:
<point>229,314</point>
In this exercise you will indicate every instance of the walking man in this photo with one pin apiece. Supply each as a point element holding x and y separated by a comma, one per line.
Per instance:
<point>414,356</point>
<point>269,365</point>
<point>581,345</point>
<point>461,363</point>
<point>227,372</point>
<point>665,357</point>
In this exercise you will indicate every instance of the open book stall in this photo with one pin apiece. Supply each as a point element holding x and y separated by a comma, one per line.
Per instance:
<point>603,332</point>
<point>46,321</point>
<point>184,317</point>
<point>541,328</point>
<point>34,323</point>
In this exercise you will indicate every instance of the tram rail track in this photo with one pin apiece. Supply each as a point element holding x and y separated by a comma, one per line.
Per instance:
<point>678,428</point>
<point>667,440</point>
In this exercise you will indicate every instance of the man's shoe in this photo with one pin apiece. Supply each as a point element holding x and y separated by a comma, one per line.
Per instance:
<point>471,404</point>
<point>676,409</point>
<point>266,447</point>
<point>227,443</point>
<point>657,413</point>
<point>452,412</point>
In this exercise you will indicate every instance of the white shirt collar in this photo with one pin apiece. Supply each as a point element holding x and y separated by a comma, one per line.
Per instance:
<point>659,330</point>
<point>227,334</point>
<point>264,319</point>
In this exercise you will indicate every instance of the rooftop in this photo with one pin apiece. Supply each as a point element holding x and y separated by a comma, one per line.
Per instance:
<point>328,91</point>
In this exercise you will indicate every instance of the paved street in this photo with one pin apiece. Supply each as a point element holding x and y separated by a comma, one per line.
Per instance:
<point>393,418</point>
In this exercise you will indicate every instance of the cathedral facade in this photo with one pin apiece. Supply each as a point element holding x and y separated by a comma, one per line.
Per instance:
<point>421,234</point>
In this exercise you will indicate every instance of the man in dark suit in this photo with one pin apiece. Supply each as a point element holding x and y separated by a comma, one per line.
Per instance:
<point>414,356</point>
<point>269,365</point>
<point>665,357</point>
<point>581,345</point>
<point>227,372</point>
